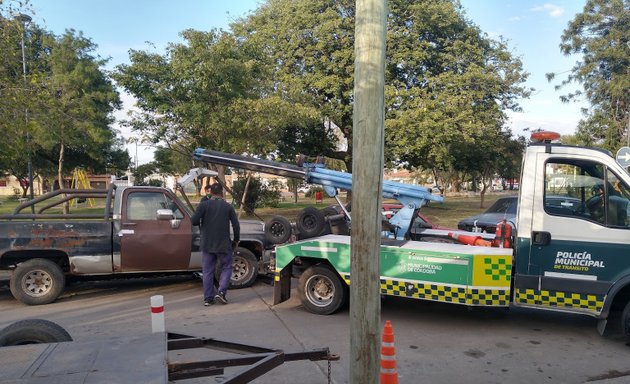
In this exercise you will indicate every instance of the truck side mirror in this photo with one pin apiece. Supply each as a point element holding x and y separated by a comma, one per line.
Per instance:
<point>167,214</point>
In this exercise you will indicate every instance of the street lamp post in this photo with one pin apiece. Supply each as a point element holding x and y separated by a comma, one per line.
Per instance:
<point>25,19</point>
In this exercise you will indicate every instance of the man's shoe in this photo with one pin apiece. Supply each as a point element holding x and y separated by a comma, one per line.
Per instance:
<point>220,297</point>
<point>208,303</point>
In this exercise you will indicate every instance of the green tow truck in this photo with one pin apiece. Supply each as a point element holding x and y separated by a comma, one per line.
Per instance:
<point>569,251</point>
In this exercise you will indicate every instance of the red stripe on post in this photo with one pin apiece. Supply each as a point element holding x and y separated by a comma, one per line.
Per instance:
<point>157,309</point>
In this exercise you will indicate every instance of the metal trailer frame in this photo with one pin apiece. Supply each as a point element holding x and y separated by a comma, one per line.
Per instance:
<point>259,360</point>
<point>143,359</point>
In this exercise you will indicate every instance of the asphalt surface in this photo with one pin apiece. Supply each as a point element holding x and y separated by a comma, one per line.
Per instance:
<point>435,343</point>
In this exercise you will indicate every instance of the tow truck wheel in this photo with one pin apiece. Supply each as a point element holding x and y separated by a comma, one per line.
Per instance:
<point>277,230</point>
<point>37,281</point>
<point>625,322</point>
<point>321,290</point>
<point>33,331</point>
<point>244,269</point>
<point>310,222</point>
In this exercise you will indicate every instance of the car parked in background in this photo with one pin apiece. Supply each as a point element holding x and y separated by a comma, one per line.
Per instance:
<point>503,208</point>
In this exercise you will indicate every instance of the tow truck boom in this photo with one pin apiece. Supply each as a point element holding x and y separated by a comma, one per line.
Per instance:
<point>411,196</point>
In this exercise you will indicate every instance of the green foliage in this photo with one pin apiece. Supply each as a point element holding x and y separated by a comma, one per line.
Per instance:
<point>445,79</point>
<point>601,35</point>
<point>202,93</point>
<point>258,194</point>
<point>155,183</point>
<point>59,114</point>
<point>449,113</point>
<point>142,173</point>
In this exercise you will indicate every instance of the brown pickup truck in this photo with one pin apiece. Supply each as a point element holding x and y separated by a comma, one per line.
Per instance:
<point>141,230</point>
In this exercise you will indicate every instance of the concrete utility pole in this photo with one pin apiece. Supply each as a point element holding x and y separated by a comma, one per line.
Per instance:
<point>367,185</point>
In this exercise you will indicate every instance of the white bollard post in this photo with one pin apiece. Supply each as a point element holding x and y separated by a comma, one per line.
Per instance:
<point>157,314</point>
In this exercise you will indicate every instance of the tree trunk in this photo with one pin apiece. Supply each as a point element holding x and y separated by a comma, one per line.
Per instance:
<point>66,205</point>
<point>483,193</point>
<point>240,209</point>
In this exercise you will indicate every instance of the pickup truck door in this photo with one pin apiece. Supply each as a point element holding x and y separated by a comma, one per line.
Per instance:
<point>579,238</point>
<point>149,244</point>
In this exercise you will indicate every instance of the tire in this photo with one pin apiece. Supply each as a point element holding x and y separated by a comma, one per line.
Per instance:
<point>321,290</point>
<point>328,211</point>
<point>33,331</point>
<point>625,322</point>
<point>244,269</point>
<point>277,230</point>
<point>37,282</point>
<point>310,222</point>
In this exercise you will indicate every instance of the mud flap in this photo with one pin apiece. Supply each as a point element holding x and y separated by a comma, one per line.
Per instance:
<point>601,326</point>
<point>282,284</point>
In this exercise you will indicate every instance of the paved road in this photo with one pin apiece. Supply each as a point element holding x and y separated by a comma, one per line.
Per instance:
<point>435,343</point>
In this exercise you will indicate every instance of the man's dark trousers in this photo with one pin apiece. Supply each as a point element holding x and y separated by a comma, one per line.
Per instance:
<point>208,262</point>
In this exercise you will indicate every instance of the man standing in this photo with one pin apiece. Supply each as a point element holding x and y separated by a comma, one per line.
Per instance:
<point>214,216</point>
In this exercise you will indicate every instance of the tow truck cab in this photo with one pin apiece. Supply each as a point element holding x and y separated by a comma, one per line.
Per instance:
<point>575,255</point>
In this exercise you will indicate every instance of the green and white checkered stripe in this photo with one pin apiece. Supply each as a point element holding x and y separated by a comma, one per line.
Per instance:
<point>458,294</point>
<point>557,299</point>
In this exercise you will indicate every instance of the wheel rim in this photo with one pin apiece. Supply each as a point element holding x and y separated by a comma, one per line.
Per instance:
<point>320,290</point>
<point>309,222</point>
<point>240,269</point>
<point>37,283</point>
<point>277,230</point>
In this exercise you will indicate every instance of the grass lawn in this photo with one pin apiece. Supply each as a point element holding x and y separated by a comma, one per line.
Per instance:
<point>446,214</point>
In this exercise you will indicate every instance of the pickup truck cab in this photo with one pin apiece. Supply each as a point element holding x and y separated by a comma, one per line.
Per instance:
<point>570,248</point>
<point>140,230</point>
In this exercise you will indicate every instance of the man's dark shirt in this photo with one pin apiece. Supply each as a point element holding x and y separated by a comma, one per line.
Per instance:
<point>214,217</point>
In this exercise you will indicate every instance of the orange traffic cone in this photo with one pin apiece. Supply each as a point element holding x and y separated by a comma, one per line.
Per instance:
<point>470,240</point>
<point>389,373</point>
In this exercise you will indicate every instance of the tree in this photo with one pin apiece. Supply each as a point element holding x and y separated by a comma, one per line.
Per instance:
<point>601,35</point>
<point>16,92</point>
<point>444,79</point>
<point>66,99</point>
<point>449,93</point>
<point>73,116</point>
<point>204,93</point>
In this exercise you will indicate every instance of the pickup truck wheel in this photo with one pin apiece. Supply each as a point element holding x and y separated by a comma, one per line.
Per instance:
<point>625,322</point>
<point>33,331</point>
<point>244,269</point>
<point>321,290</point>
<point>277,230</point>
<point>310,222</point>
<point>37,281</point>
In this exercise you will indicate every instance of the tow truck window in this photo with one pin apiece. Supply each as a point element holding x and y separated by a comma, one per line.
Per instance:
<point>586,190</point>
<point>144,205</point>
<point>618,203</point>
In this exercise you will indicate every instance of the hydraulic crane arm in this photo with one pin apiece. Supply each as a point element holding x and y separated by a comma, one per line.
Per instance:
<point>411,196</point>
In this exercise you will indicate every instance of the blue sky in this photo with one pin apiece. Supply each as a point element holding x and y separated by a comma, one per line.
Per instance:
<point>532,28</point>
